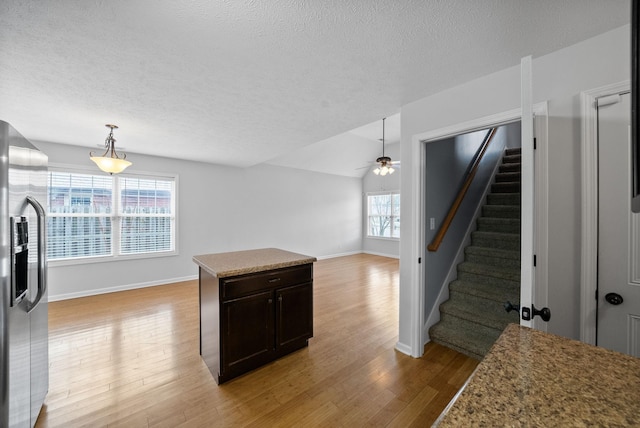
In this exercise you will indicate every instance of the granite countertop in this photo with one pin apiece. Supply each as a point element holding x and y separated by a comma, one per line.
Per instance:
<point>235,263</point>
<point>534,379</point>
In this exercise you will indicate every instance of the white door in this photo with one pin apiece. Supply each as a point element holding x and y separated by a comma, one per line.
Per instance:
<point>533,290</point>
<point>618,325</point>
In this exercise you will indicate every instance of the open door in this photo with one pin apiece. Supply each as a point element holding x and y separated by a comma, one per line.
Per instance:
<point>530,314</point>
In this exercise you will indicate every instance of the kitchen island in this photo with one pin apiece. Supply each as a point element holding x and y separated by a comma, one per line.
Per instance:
<point>255,306</point>
<point>534,379</point>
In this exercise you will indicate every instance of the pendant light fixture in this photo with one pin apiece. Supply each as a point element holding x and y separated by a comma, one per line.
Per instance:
<point>110,161</point>
<point>385,165</point>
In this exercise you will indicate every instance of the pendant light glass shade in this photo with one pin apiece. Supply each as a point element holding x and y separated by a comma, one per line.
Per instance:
<point>110,161</point>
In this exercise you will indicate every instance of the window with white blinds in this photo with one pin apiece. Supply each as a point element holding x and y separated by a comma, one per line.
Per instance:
<point>146,212</point>
<point>105,216</point>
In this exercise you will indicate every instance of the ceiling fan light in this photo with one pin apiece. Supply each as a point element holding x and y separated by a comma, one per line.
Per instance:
<point>384,162</point>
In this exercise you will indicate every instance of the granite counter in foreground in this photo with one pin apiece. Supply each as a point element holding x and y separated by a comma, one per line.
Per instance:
<point>534,379</point>
<point>223,265</point>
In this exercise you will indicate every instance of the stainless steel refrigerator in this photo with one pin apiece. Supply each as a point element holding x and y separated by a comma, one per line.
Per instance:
<point>24,348</point>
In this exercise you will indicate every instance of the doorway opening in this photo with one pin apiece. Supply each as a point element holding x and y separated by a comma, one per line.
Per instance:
<point>539,216</point>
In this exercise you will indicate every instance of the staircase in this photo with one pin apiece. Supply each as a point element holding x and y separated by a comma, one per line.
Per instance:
<point>474,316</point>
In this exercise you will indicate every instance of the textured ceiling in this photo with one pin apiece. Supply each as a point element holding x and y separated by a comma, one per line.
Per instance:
<point>240,82</point>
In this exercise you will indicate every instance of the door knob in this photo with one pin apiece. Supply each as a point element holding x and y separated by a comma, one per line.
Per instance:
<point>544,313</point>
<point>614,298</point>
<point>508,306</point>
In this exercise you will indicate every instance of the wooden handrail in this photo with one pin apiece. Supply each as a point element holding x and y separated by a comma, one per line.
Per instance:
<point>437,240</point>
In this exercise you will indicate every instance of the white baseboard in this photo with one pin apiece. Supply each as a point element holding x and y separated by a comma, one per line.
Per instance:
<point>95,292</point>
<point>404,348</point>
<point>333,256</point>
<point>373,253</point>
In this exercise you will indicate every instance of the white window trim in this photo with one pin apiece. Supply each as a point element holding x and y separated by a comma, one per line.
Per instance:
<point>116,215</point>
<point>366,222</point>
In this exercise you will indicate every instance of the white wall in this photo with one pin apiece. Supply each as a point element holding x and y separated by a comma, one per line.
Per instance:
<point>559,78</point>
<point>225,209</point>
<point>376,183</point>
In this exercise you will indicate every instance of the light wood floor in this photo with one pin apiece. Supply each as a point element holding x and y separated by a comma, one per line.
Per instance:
<point>131,359</point>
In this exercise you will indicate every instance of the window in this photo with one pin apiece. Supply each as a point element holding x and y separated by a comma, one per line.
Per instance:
<point>383,215</point>
<point>101,216</point>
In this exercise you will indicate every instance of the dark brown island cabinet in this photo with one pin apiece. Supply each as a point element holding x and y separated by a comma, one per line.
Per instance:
<point>255,306</point>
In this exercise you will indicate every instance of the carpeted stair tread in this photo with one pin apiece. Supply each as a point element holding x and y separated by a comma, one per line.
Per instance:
<point>500,272</point>
<point>502,241</point>
<point>502,211</point>
<point>514,151</point>
<point>492,256</point>
<point>467,341</point>
<point>500,294</point>
<point>498,224</point>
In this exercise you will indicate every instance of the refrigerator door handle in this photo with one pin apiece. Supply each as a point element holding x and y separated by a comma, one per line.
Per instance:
<point>42,249</point>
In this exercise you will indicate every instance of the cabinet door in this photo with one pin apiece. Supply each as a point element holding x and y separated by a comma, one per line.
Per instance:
<point>247,333</point>
<point>294,317</point>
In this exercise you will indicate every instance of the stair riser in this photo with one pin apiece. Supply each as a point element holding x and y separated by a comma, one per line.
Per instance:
<point>501,211</point>
<point>511,274</point>
<point>509,167</point>
<point>508,187</point>
<point>490,307</point>
<point>471,250</point>
<point>489,292</point>
<point>508,177</point>
<point>492,315</point>
<point>488,280</point>
<point>492,242</point>
<point>500,226</point>
<point>479,307</point>
<point>503,199</point>
<point>493,261</point>
<point>478,328</point>
<point>512,159</point>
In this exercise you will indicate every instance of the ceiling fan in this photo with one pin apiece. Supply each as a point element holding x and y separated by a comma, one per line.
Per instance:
<point>385,164</point>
